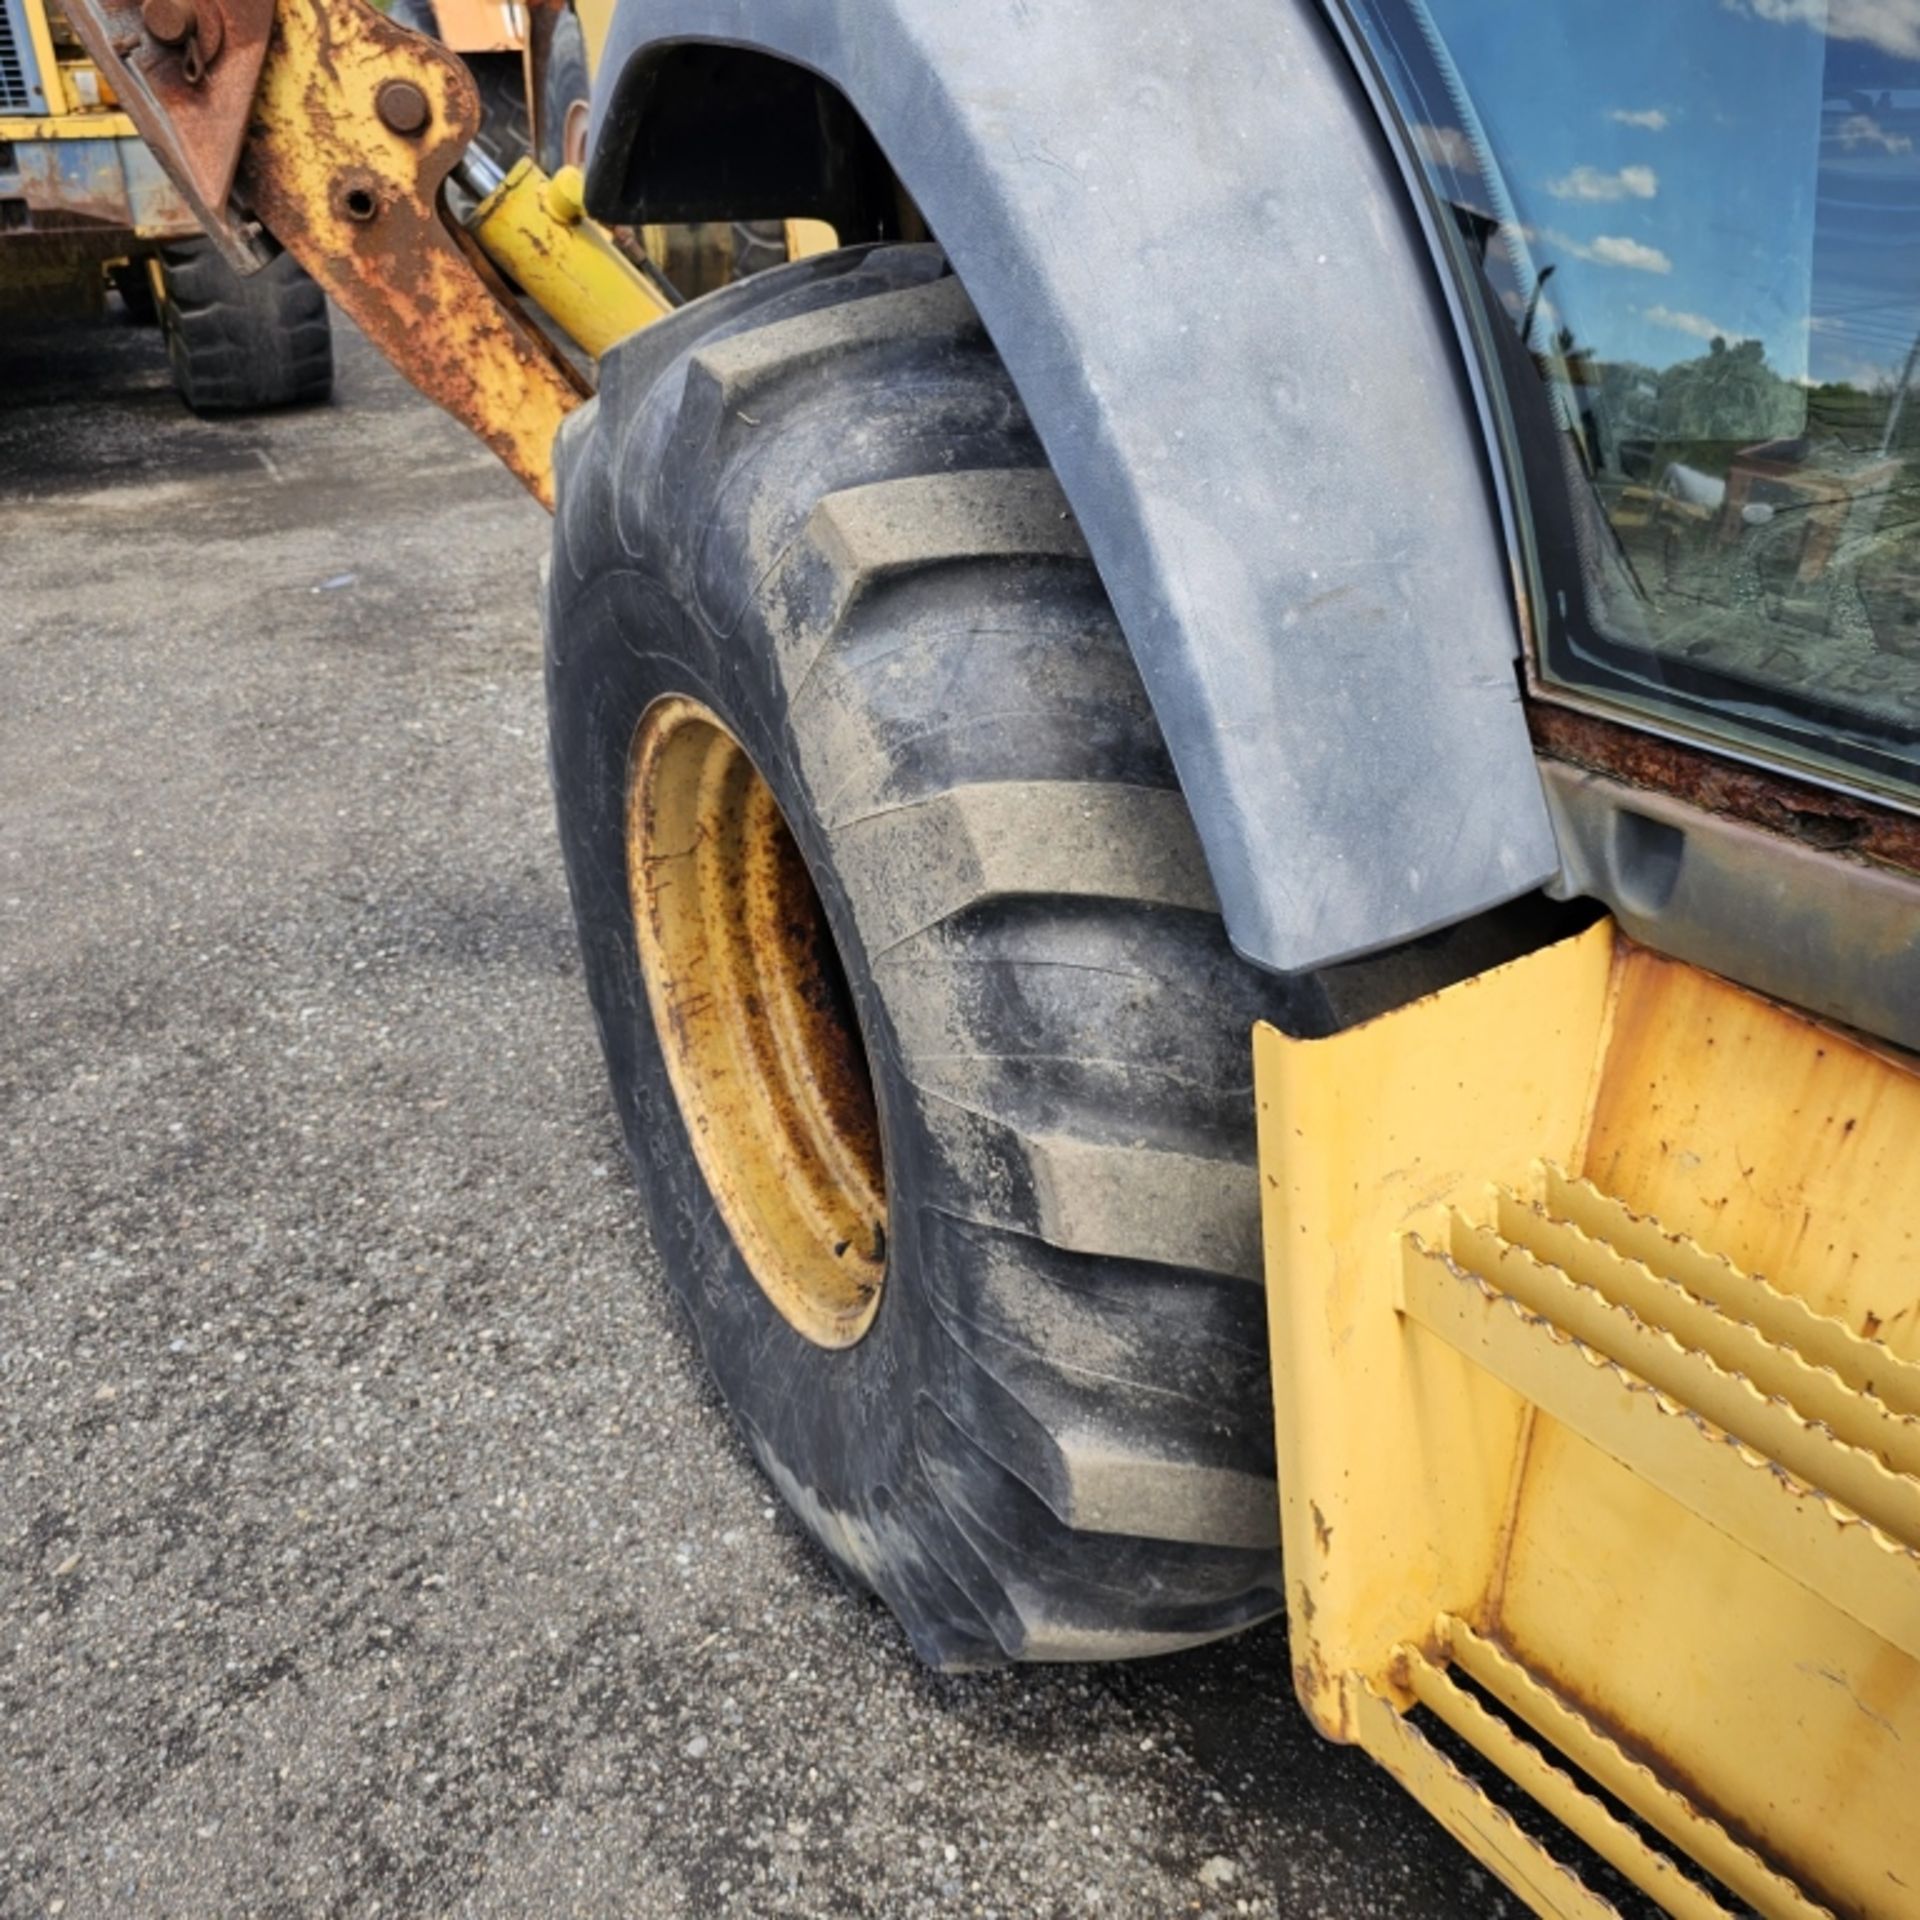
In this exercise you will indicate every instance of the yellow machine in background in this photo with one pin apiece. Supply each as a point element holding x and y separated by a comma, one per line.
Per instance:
<point>80,196</point>
<point>84,206</point>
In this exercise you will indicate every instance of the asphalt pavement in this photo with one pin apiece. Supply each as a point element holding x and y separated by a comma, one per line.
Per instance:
<point>371,1542</point>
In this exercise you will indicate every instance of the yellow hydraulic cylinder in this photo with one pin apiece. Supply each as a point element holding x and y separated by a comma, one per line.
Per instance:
<point>535,230</point>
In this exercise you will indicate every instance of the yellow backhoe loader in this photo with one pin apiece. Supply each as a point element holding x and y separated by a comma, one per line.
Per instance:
<point>84,207</point>
<point>1243,795</point>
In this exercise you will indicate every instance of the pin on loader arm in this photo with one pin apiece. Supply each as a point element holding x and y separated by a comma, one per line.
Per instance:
<point>326,126</point>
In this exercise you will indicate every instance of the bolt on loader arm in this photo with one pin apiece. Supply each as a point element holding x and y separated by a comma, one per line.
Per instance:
<point>323,126</point>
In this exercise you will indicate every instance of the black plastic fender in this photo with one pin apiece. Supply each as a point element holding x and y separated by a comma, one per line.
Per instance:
<point>1190,245</point>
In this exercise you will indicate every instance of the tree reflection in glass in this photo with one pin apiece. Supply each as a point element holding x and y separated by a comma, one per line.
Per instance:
<point>1692,231</point>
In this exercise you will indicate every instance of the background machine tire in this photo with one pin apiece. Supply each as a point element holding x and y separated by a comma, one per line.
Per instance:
<point>565,89</point>
<point>813,504</point>
<point>241,342</point>
<point>757,246</point>
<point>134,284</point>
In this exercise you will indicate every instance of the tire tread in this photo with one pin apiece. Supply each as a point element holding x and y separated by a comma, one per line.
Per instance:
<point>1097,1435</point>
<point>244,343</point>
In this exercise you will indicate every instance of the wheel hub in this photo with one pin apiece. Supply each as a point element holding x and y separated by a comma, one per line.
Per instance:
<point>756,1021</point>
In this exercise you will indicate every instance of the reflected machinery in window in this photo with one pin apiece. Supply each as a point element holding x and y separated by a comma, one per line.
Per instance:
<point>1690,231</point>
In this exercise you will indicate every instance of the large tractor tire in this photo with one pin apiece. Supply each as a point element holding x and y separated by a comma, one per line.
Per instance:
<point>928,1044</point>
<point>238,343</point>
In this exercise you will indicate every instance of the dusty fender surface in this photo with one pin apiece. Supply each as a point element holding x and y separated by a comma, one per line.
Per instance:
<point>1192,250</point>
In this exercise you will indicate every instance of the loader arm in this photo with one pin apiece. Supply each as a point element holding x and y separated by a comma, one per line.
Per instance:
<point>331,130</point>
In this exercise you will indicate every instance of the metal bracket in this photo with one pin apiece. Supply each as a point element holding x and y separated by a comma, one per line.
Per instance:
<point>186,70</point>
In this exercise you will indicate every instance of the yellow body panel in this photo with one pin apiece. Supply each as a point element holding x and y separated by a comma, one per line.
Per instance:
<point>46,58</point>
<point>102,123</point>
<point>1594,1294</point>
<point>535,230</point>
<point>79,105</point>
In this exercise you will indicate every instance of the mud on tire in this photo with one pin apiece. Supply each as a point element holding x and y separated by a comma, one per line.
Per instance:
<point>813,503</point>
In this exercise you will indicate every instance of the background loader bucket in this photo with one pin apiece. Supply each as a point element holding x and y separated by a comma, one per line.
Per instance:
<point>1595,1289</point>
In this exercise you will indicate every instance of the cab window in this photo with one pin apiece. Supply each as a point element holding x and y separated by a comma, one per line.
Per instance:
<point>1690,234</point>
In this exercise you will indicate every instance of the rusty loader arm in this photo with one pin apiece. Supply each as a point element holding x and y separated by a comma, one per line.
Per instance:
<point>334,131</point>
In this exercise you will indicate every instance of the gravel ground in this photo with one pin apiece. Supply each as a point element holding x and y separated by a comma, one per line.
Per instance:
<point>370,1540</point>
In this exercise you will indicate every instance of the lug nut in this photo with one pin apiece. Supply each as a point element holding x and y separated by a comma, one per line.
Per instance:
<point>168,21</point>
<point>401,105</point>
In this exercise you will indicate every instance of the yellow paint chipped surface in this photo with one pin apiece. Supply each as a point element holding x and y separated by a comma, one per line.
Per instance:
<point>1594,1288</point>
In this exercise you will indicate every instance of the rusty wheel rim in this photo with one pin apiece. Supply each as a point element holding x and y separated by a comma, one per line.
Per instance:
<point>756,1022</point>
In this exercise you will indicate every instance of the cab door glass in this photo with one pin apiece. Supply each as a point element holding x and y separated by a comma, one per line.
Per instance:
<point>1691,234</point>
